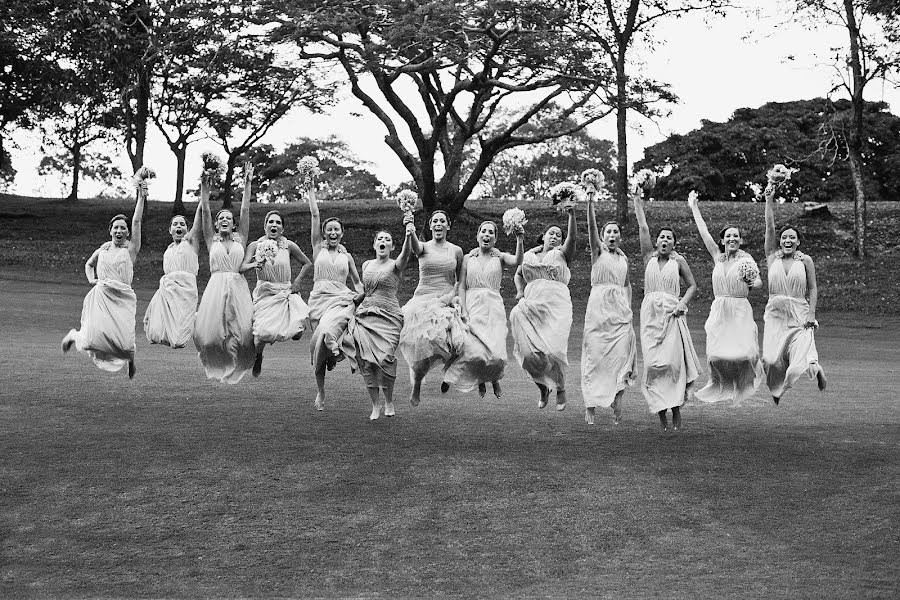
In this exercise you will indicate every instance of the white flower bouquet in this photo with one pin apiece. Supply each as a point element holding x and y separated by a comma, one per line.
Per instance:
<point>748,270</point>
<point>566,194</point>
<point>514,221</point>
<point>213,169</point>
<point>592,179</point>
<point>308,169</point>
<point>266,250</point>
<point>408,201</point>
<point>779,174</point>
<point>140,178</point>
<point>645,180</point>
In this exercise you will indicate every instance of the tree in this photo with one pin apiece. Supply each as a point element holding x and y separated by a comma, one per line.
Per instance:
<point>721,160</point>
<point>620,28</point>
<point>436,72</point>
<point>95,165</point>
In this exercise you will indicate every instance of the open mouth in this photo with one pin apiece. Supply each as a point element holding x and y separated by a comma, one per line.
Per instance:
<point>381,247</point>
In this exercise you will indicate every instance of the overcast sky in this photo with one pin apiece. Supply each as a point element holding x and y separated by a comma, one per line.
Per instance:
<point>712,66</point>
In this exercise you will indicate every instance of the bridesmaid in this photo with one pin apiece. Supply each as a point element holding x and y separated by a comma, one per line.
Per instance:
<point>374,331</point>
<point>223,331</point>
<point>671,364</point>
<point>169,319</point>
<point>109,308</point>
<point>331,302</point>
<point>279,314</point>
<point>432,327</point>
<point>608,352</point>
<point>789,344</point>
<point>542,319</point>
<point>482,355</point>
<point>732,345</point>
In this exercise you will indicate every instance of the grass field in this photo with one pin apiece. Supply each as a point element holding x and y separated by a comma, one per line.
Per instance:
<point>173,486</point>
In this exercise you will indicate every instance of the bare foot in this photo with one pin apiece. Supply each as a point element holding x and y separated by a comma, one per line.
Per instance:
<point>319,402</point>
<point>67,342</point>
<point>589,416</point>
<point>820,379</point>
<point>617,410</point>
<point>560,399</point>
<point>376,412</point>
<point>131,369</point>
<point>496,386</point>
<point>257,366</point>
<point>676,418</point>
<point>545,396</point>
<point>389,409</point>
<point>414,395</point>
<point>482,389</point>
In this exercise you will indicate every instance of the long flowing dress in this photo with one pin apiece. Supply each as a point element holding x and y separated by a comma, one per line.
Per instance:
<point>330,302</point>
<point>608,349</point>
<point>732,343</point>
<point>373,333</point>
<point>169,319</point>
<point>108,311</point>
<point>278,315</point>
<point>482,354</point>
<point>430,327</point>
<point>789,349</point>
<point>671,364</point>
<point>542,319</point>
<point>223,331</point>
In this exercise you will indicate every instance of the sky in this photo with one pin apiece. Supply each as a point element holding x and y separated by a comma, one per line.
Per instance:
<point>714,66</point>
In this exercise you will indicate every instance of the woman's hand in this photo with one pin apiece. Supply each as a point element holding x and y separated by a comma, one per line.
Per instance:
<point>680,309</point>
<point>248,173</point>
<point>358,298</point>
<point>692,200</point>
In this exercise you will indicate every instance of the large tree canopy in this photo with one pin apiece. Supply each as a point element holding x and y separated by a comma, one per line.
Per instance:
<point>720,159</point>
<point>435,73</point>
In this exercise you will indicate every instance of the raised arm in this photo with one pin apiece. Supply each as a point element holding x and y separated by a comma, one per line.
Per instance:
<point>568,247</point>
<point>135,246</point>
<point>244,224</point>
<point>593,233</point>
<point>643,228</point>
<point>514,260</point>
<point>711,246</point>
<point>193,236</point>
<point>771,243</point>
<point>406,250</point>
<point>208,231</point>
<point>315,223</point>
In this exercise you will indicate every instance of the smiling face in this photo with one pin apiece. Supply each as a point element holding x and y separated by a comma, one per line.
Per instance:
<point>487,235</point>
<point>611,235</point>
<point>731,239</point>
<point>552,237</point>
<point>439,225</point>
<point>178,228</point>
<point>118,232</point>
<point>274,226</point>
<point>332,233</point>
<point>383,244</point>
<point>789,241</point>
<point>665,242</point>
<point>224,222</point>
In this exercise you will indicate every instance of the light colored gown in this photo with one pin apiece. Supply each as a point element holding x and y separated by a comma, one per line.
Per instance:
<point>608,350</point>
<point>278,315</point>
<point>330,302</point>
<point>789,349</point>
<point>169,319</point>
<point>482,355</point>
<point>373,333</point>
<point>108,312</point>
<point>223,331</point>
<point>430,327</point>
<point>542,319</point>
<point>671,364</point>
<point>732,344</point>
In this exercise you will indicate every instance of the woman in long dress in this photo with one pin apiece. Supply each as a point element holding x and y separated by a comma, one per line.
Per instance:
<point>671,364</point>
<point>108,311</point>
<point>732,344</point>
<point>169,319</point>
<point>789,343</point>
<point>373,332</point>
<point>608,349</point>
<point>432,325</point>
<point>542,319</point>
<point>482,354</point>
<point>331,302</point>
<point>279,313</point>
<point>223,330</point>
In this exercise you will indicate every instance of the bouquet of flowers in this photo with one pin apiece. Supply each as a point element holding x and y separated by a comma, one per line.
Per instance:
<point>308,169</point>
<point>266,250</point>
<point>756,190</point>
<point>748,270</point>
<point>566,194</point>
<point>213,168</point>
<point>592,179</point>
<point>693,197</point>
<point>645,180</point>
<point>779,174</point>
<point>141,177</point>
<point>514,220</point>
<point>408,201</point>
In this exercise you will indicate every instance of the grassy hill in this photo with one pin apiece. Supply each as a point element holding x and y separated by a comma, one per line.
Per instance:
<point>49,239</point>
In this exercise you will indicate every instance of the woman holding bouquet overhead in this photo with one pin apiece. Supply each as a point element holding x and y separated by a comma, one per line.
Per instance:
<point>671,364</point>
<point>608,350</point>
<point>169,319</point>
<point>482,354</point>
<point>108,311</point>
<point>331,302</point>
<point>223,331</point>
<point>432,325</point>
<point>542,319</point>
<point>374,331</point>
<point>789,344</point>
<point>732,347</point>
<point>279,314</point>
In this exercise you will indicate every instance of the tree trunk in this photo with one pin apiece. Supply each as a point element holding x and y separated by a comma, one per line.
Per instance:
<point>857,134</point>
<point>621,140</point>
<point>141,115</point>
<point>859,201</point>
<point>76,170</point>
<point>180,156</point>
<point>227,193</point>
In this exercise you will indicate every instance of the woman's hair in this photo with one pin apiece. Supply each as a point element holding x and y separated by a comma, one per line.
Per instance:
<point>329,220</point>
<point>118,217</point>
<point>722,235</point>
<point>789,226</point>
<point>219,212</point>
<point>441,211</point>
<point>488,222</point>
<point>177,217</point>
<point>667,228</point>
<point>540,239</point>
<point>273,212</point>
<point>610,222</point>
<point>380,231</point>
